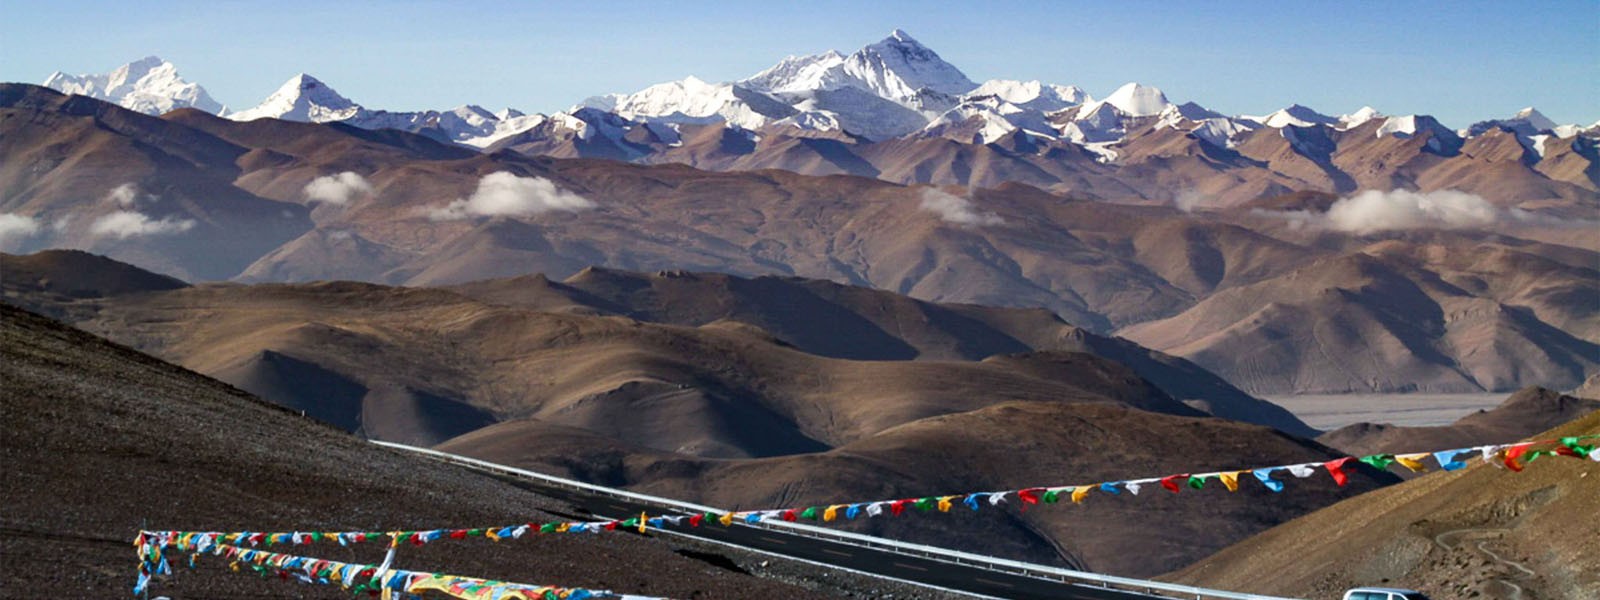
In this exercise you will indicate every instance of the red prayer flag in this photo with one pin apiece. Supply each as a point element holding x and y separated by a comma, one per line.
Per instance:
<point>1171,482</point>
<point>1030,495</point>
<point>789,515</point>
<point>1335,469</point>
<point>1515,452</point>
<point>695,520</point>
<point>897,507</point>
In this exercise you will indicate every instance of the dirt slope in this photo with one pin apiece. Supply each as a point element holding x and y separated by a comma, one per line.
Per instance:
<point>1483,532</point>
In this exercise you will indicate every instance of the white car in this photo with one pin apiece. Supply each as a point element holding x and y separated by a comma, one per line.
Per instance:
<point>1374,593</point>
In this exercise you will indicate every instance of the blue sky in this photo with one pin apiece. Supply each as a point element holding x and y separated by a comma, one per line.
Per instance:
<point>1459,60</point>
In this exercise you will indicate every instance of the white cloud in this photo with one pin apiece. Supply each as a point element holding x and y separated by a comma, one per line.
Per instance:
<point>955,209</point>
<point>505,194</point>
<point>125,224</point>
<point>338,189</point>
<point>1188,200</point>
<point>124,195</point>
<point>16,227</point>
<point>1374,211</point>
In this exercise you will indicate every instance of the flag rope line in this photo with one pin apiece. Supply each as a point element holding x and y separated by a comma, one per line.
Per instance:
<point>382,579</point>
<point>151,544</point>
<point>1512,456</point>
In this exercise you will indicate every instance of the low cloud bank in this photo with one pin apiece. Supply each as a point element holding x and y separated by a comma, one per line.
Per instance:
<point>506,194</point>
<point>125,195</point>
<point>129,222</point>
<point>16,227</point>
<point>1374,211</point>
<point>338,189</point>
<point>125,224</point>
<point>955,209</point>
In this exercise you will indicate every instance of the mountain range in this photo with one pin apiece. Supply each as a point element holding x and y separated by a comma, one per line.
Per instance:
<point>1394,292</point>
<point>895,110</point>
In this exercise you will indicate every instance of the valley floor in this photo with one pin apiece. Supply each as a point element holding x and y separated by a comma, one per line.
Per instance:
<point>1332,411</point>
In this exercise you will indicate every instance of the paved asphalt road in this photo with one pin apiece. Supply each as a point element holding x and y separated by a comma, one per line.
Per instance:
<point>910,568</point>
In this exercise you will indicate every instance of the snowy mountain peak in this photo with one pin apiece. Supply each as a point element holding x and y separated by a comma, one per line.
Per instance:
<point>1032,95</point>
<point>1533,117</point>
<point>1296,115</point>
<point>899,66</point>
<point>1136,100</point>
<point>1527,122</point>
<point>900,35</point>
<point>148,85</point>
<point>302,98</point>
<point>1355,119</point>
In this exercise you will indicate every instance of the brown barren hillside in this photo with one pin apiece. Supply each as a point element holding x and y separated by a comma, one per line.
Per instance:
<point>1435,315</point>
<point>425,365</point>
<point>839,321</point>
<point>1001,446</point>
<point>101,441</point>
<point>1483,532</point>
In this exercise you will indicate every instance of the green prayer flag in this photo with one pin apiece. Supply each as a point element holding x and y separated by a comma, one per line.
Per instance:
<point>1197,482</point>
<point>809,513</point>
<point>1379,461</point>
<point>1051,496</point>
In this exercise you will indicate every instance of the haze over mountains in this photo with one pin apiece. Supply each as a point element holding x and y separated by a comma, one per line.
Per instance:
<point>205,198</point>
<point>897,111</point>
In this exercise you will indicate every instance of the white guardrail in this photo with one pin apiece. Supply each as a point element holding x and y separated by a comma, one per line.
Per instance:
<point>998,565</point>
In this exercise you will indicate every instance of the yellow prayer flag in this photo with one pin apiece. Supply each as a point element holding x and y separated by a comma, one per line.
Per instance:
<point>726,520</point>
<point>830,513</point>
<point>1230,479</point>
<point>944,503</point>
<point>1412,461</point>
<point>1079,493</point>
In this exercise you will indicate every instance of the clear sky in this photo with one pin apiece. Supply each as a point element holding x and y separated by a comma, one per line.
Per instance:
<point>1459,60</point>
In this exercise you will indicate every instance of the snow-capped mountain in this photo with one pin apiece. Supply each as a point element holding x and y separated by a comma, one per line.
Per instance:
<point>897,68</point>
<point>148,85</point>
<point>693,100</point>
<point>303,98</point>
<point>1355,119</point>
<point>893,89</point>
<point>306,98</point>
<point>1295,115</point>
<point>1031,95</point>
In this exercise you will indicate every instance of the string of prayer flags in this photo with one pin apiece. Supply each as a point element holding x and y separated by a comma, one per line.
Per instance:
<point>1512,456</point>
<point>356,578</point>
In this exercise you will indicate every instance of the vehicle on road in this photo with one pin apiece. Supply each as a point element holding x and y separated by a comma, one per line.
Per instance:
<point>1375,593</point>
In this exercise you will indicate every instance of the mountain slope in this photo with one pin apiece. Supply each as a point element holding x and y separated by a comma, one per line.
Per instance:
<point>101,441</point>
<point>1452,316</point>
<point>838,321</point>
<point>1449,534</point>
<point>1000,446</point>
